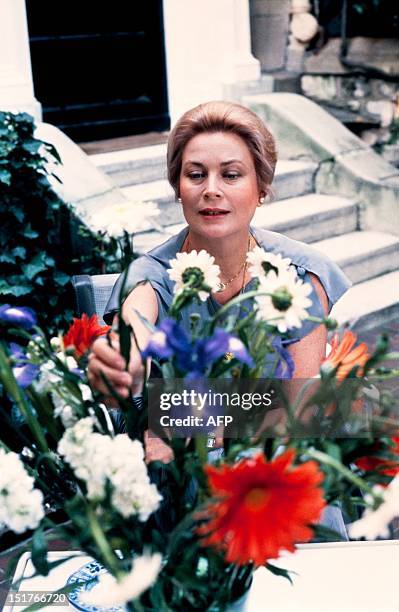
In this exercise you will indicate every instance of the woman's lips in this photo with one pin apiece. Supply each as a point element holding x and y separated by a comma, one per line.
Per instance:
<point>213,212</point>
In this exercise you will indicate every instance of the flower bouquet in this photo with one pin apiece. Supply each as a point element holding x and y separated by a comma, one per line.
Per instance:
<point>188,535</point>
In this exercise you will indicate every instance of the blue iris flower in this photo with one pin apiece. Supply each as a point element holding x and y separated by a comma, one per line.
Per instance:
<point>20,316</point>
<point>24,372</point>
<point>170,340</point>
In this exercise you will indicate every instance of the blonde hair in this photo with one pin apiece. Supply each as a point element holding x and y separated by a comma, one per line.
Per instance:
<point>219,116</point>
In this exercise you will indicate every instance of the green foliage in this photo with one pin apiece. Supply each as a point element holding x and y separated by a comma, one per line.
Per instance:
<point>364,6</point>
<point>36,252</point>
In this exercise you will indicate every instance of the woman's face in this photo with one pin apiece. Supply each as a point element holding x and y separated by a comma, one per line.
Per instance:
<point>218,185</point>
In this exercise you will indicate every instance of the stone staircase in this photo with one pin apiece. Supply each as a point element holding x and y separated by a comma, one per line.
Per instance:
<point>329,222</point>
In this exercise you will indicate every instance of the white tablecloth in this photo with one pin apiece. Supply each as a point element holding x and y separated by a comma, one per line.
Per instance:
<point>337,577</point>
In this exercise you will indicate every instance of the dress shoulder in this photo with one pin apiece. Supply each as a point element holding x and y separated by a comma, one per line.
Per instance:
<point>151,267</point>
<point>307,260</point>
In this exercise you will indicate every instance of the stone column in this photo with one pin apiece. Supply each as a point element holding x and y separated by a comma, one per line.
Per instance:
<point>207,46</point>
<point>16,82</point>
<point>269,27</point>
<point>246,67</point>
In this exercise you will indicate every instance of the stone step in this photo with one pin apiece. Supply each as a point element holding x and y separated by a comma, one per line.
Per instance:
<point>308,218</point>
<point>148,164</point>
<point>363,255</point>
<point>132,166</point>
<point>293,178</point>
<point>370,304</point>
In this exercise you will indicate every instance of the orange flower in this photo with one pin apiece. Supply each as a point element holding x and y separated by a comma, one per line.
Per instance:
<point>345,357</point>
<point>373,463</point>
<point>82,334</point>
<point>262,507</point>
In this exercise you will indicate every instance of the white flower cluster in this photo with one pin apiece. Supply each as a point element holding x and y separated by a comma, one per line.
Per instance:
<point>201,266</point>
<point>285,305</point>
<point>374,523</point>
<point>97,459</point>
<point>21,506</point>
<point>109,592</point>
<point>130,217</point>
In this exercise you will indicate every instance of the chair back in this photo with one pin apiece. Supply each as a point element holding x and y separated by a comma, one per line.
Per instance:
<point>92,293</point>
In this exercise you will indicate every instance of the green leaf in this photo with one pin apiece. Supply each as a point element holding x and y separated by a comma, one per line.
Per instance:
<point>18,213</point>
<point>332,449</point>
<point>32,146</point>
<point>15,290</point>
<point>60,278</point>
<point>5,148</point>
<point>5,176</point>
<point>324,534</point>
<point>30,233</point>
<point>19,251</point>
<point>39,552</point>
<point>279,571</point>
<point>53,151</point>
<point>39,263</point>
<point>7,258</point>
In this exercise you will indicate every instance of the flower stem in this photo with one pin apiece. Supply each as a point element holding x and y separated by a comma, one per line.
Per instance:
<point>15,392</point>
<point>102,543</point>
<point>325,459</point>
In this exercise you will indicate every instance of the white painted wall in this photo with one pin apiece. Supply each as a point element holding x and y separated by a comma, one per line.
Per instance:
<point>207,47</point>
<point>16,83</point>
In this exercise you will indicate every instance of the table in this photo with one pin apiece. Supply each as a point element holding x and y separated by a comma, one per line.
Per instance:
<point>332,577</point>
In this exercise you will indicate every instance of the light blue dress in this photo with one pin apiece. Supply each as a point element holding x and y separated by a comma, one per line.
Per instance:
<point>152,267</point>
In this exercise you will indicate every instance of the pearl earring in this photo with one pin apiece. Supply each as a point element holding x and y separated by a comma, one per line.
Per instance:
<point>179,200</point>
<point>261,201</point>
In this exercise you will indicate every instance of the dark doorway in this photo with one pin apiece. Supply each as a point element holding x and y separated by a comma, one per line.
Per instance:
<point>99,69</point>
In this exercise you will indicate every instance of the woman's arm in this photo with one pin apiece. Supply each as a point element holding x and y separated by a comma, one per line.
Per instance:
<point>107,360</point>
<point>309,352</point>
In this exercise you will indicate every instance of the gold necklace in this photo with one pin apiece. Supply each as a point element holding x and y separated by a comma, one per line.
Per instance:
<point>223,286</point>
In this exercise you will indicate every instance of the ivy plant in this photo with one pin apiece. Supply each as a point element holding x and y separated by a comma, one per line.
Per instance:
<point>37,256</point>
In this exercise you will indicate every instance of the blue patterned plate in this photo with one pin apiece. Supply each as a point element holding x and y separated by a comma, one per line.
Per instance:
<point>88,572</point>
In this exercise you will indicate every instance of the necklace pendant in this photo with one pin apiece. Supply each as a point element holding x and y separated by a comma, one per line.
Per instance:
<point>221,287</point>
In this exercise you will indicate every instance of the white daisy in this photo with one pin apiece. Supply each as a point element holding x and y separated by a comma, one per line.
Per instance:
<point>109,592</point>
<point>375,523</point>
<point>261,262</point>
<point>195,270</point>
<point>286,305</point>
<point>130,217</point>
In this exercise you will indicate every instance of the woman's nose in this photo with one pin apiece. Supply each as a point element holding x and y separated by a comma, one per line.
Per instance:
<point>211,188</point>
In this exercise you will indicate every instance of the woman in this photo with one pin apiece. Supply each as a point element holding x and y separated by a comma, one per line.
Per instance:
<point>221,161</point>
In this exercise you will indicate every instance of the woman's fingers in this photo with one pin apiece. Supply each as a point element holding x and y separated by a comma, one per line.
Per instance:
<point>110,355</point>
<point>105,360</point>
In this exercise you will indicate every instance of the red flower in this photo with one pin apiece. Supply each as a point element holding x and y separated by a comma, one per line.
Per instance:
<point>82,334</point>
<point>345,357</point>
<point>373,463</point>
<point>262,507</point>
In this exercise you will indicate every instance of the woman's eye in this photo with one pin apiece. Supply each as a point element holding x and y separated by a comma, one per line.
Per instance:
<point>231,176</point>
<point>196,176</point>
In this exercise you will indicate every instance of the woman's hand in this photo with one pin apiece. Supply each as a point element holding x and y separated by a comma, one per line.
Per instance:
<point>156,449</point>
<point>107,360</point>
